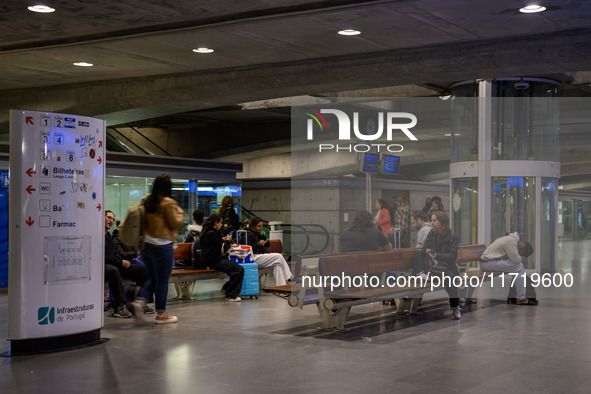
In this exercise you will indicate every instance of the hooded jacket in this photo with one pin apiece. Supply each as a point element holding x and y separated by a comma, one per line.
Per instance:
<point>165,222</point>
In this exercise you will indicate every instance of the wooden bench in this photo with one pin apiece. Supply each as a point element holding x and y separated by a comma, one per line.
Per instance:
<point>184,278</point>
<point>334,304</point>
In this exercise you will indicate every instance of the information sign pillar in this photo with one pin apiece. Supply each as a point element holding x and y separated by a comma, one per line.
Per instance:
<point>56,231</point>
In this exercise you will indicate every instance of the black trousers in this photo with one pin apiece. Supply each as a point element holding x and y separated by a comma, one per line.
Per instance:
<point>452,292</point>
<point>236,274</point>
<point>418,263</point>
<point>113,277</point>
<point>135,272</point>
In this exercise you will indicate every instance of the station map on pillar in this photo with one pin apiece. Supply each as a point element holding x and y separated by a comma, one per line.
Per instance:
<point>59,170</point>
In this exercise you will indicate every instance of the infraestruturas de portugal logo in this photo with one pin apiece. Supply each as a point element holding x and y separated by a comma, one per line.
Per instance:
<point>348,131</point>
<point>45,315</point>
<point>49,315</point>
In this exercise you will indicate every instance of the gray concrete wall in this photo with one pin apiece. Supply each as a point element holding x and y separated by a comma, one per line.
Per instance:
<point>332,207</point>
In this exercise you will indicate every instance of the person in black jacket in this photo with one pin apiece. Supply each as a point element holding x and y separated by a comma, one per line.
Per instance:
<point>214,247</point>
<point>363,235</point>
<point>441,246</point>
<point>117,267</point>
<point>126,252</point>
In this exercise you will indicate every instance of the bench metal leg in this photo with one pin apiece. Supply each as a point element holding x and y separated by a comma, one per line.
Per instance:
<point>262,279</point>
<point>184,290</point>
<point>332,320</point>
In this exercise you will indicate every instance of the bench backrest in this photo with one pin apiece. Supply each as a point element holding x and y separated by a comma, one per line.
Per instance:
<point>308,264</point>
<point>468,253</point>
<point>275,246</point>
<point>335,265</point>
<point>394,260</point>
<point>360,263</point>
<point>353,264</point>
<point>183,251</point>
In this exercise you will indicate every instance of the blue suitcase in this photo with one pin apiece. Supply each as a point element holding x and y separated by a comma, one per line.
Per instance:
<point>250,284</point>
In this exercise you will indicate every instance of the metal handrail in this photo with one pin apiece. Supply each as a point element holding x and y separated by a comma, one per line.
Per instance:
<point>305,230</point>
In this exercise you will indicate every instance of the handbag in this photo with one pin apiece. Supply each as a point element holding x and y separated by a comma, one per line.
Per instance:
<point>241,254</point>
<point>439,269</point>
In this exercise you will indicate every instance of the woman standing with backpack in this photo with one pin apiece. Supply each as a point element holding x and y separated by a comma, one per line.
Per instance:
<point>230,219</point>
<point>163,219</point>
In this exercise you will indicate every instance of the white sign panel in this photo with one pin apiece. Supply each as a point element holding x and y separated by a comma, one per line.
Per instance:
<point>56,224</point>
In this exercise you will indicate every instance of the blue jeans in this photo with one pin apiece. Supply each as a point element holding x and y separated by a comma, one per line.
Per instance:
<point>506,265</point>
<point>159,261</point>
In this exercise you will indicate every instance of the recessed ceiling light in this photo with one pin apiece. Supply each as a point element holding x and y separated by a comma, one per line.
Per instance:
<point>41,8</point>
<point>203,50</point>
<point>83,64</point>
<point>349,32</point>
<point>530,9</point>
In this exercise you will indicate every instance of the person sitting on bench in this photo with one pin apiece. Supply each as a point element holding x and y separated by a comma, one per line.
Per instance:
<point>194,229</point>
<point>214,247</point>
<point>116,267</point>
<point>262,257</point>
<point>421,223</point>
<point>441,246</point>
<point>363,235</point>
<point>504,255</point>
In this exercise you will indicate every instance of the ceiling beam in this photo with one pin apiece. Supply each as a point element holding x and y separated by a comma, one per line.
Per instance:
<point>142,98</point>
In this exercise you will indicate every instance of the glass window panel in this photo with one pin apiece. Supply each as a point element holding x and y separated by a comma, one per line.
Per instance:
<point>464,126</point>
<point>465,210</point>
<point>565,220</point>
<point>548,225</point>
<point>122,192</point>
<point>513,209</point>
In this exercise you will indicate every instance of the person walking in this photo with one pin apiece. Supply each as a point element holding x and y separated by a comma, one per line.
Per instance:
<point>163,219</point>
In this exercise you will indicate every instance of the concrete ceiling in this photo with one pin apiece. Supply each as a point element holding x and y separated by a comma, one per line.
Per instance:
<point>145,73</point>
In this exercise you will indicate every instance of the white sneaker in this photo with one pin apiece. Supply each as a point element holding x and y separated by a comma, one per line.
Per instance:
<point>165,319</point>
<point>236,299</point>
<point>456,313</point>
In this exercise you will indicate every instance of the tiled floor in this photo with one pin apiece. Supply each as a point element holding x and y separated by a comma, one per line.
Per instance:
<point>264,346</point>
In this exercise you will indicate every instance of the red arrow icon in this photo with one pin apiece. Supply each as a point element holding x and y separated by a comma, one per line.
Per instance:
<point>30,189</point>
<point>98,207</point>
<point>29,221</point>
<point>29,120</point>
<point>30,172</point>
<point>100,144</point>
<point>99,160</point>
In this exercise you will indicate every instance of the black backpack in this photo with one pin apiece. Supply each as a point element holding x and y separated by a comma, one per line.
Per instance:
<point>197,260</point>
<point>197,254</point>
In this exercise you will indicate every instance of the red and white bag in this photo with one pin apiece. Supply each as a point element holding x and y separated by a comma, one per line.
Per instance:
<point>241,254</point>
